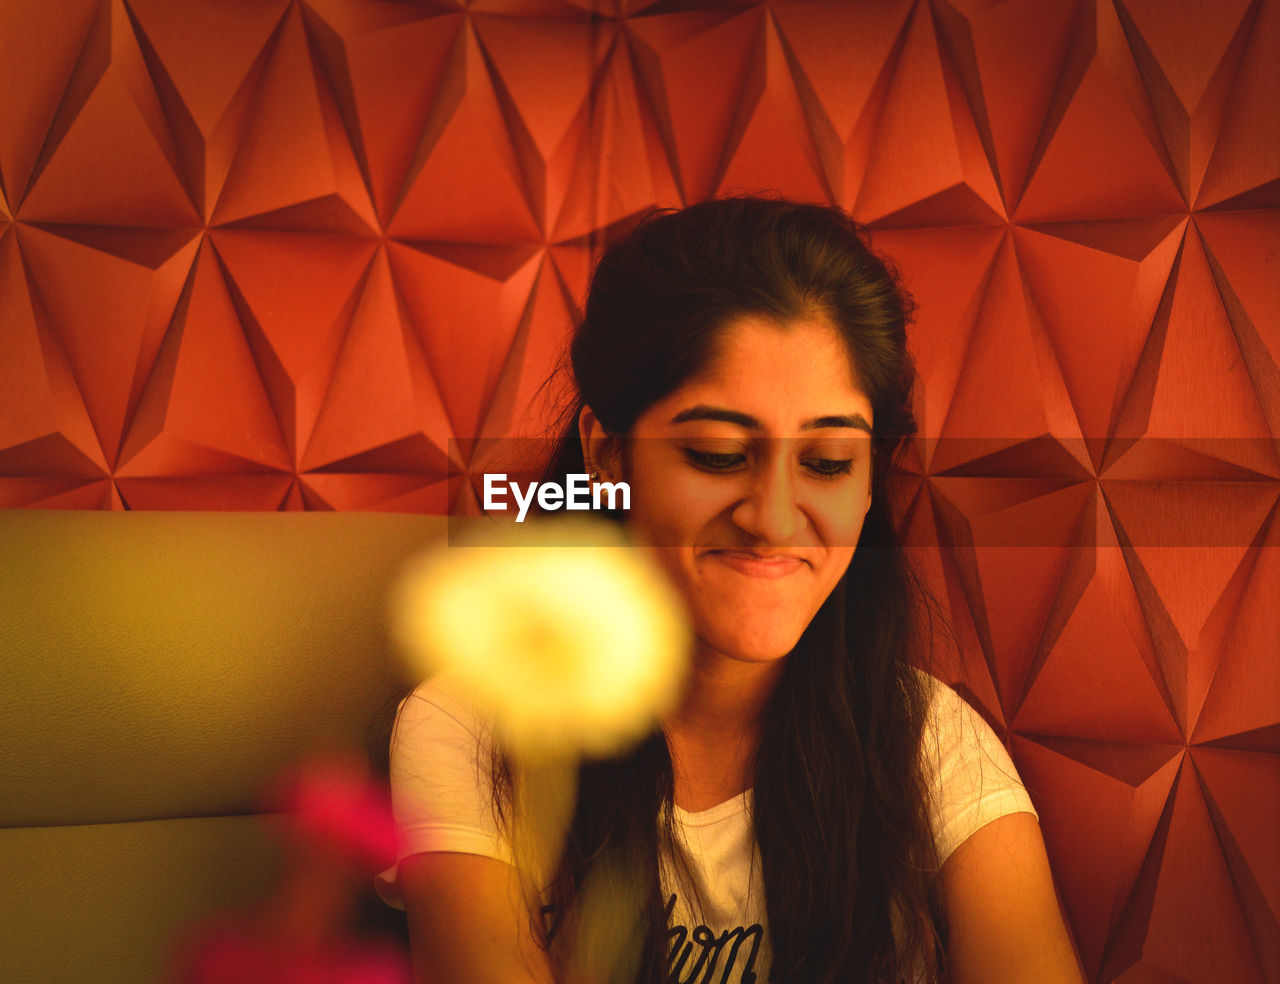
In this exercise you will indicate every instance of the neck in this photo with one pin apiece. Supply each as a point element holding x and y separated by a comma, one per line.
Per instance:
<point>714,732</point>
<point>725,697</point>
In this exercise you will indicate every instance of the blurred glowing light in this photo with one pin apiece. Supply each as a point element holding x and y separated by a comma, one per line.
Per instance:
<point>567,634</point>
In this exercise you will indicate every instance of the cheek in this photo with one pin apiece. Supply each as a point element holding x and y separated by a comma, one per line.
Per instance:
<point>671,508</point>
<point>653,521</point>
<point>845,536</point>
<point>838,519</point>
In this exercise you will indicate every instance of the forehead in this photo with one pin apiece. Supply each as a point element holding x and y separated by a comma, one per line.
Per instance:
<point>781,373</point>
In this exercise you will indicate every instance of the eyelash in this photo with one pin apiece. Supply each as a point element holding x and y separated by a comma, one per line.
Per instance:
<point>823,468</point>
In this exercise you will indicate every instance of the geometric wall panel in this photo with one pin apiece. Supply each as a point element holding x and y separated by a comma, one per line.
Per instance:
<point>317,254</point>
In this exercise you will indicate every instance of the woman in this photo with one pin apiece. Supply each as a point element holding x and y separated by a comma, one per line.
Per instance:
<point>815,810</point>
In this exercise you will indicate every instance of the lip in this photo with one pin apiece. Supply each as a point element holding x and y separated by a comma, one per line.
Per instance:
<point>757,565</point>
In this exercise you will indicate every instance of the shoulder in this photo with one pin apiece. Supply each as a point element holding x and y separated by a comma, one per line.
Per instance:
<point>438,709</point>
<point>952,727</point>
<point>952,716</point>
<point>971,777</point>
<point>441,786</point>
<point>441,743</point>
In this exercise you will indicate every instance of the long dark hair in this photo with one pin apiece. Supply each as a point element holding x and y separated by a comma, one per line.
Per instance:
<point>840,808</point>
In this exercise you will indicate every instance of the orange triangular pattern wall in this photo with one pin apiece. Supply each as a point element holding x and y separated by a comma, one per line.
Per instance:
<point>308,255</point>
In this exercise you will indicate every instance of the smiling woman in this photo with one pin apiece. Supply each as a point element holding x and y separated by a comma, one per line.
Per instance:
<point>814,809</point>
<point>754,525</point>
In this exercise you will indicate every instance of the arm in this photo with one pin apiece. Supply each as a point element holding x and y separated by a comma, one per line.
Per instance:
<point>1005,923</point>
<point>467,922</point>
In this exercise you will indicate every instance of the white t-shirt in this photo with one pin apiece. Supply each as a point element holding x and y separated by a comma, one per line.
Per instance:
<point>443,802</point>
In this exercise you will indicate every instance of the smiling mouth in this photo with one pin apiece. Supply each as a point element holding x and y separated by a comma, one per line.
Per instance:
<point>757,565</point>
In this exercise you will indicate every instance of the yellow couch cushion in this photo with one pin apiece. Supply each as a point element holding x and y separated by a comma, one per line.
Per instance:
<point>156,669</point>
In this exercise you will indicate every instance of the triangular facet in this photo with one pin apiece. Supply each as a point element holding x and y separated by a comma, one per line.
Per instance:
<point>466,183</point>
<point>294,296</point>
<point>36,79</point>
<point>1246,154</point>
<point>110,170</point>
<point>1097,335</point>
<point>39,398</point>
<point>294,148</point>
<point>540,342</point>
<point>205,389</point>
<point>465,322</point>
<point>1094,682</point>
<point>927,141</point>
<point>356,417</point>
<point>1087,813</point>
<point>1008,57</point>
<point>1009,343</point>
<point>89,296</point>
<point>386,64</point>
<point>948,270</point>
<point>714,53</point>
<point>221,492</point>
<point>1244,694</point>
<point>1100,123</point>
<point>1242,790</point>
<point>1200,394</point>
<point>778,148</point>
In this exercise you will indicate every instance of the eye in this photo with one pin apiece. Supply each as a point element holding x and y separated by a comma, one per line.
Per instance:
<point>714,461</point>
<point>829,467</point>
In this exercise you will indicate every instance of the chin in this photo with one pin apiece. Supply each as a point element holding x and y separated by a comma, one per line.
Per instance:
<point>756,648</point>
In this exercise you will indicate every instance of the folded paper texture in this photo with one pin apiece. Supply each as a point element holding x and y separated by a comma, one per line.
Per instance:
<point>320,256</point>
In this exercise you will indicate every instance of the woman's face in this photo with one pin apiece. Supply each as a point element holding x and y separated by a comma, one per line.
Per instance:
<point>751,482</point>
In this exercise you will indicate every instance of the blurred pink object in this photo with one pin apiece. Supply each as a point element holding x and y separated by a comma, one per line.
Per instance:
<point>239,952</point>
<point>335,822</point>
<point>337,802</point>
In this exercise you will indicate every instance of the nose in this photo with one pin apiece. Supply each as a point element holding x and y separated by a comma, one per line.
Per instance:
<point>769,511</point>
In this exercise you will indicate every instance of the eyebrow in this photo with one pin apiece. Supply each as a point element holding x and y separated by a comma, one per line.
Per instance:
<point>725,415</point>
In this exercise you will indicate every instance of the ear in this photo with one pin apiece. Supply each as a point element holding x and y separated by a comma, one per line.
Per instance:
<point>599,447</point>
